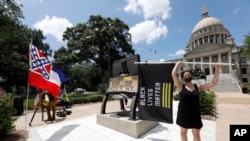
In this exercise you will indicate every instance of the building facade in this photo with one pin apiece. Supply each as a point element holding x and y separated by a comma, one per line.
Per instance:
<point>211,42</point>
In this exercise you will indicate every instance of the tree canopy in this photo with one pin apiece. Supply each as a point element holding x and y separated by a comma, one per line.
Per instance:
<point>11,9</point>
<point>15,38</point>
<point>100,40</point>
<point>246,51</point>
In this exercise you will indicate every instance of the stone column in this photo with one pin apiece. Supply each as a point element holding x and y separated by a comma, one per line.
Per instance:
<point>219,38</point>
<point>214,38</point>
<point>202,64</point>
<point>193,63</point>
<point>210,65</point>
<point>219,57</point>
<point>219,60</point>
<point>230,61</point>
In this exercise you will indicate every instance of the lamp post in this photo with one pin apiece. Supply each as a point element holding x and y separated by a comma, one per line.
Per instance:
<point>108,62</point>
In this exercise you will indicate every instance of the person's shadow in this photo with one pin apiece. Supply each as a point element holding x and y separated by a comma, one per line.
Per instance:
<point>159,128</point>
<point>60,134</point>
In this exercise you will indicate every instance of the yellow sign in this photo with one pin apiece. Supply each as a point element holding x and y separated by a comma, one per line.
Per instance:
<point>127,78</point>
<point>123,84</point>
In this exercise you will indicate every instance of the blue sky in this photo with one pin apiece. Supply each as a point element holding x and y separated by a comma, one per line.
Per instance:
<point>160,28</point>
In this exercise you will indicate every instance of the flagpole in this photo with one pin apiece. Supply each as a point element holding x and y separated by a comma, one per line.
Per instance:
<point>201,63</point>
<point>27,100</point>
<point>26,113</point>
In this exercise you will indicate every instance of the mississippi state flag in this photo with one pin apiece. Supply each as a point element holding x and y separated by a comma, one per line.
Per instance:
<point>42,74</point>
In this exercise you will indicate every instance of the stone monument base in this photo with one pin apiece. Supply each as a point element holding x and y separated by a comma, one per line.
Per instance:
<point>133,128</point>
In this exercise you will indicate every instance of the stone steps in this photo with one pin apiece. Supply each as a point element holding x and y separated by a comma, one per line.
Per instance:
<point>226,83</point>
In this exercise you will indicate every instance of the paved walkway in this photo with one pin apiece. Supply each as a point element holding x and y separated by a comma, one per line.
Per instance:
<point>232,108</point>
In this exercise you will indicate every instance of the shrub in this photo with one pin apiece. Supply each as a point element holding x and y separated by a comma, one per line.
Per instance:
<point>7,116</point>
<point>207,101</point>
<point>74,99</point>
<point>176,97</point>
<point>96,98</point>
<point>79,99</point>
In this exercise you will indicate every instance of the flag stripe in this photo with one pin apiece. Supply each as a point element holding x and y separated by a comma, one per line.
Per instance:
<point>165,93</point>
<point>169,91</point>
<point>163,96</point>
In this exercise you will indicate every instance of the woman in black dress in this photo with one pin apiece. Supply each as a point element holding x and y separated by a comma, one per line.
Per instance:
<point>188,115</point>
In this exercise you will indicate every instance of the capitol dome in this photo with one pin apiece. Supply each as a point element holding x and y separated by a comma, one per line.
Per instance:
<point>206,21</point>
<point>211,42</point>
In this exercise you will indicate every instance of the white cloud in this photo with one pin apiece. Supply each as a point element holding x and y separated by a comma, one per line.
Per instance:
<point>180,30</point>
<point>178,53</point>
<point>151,9</point>
<point>154,13</point>
<point>54,26</point>
<point>133,7</point>
<point>236,10</point>
<point>162,60</point>
<point>148,31</point>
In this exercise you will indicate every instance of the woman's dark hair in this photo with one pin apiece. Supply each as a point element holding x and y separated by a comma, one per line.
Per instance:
<point>190,71</point>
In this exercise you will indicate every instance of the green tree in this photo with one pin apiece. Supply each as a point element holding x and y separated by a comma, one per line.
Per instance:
<point>246,51</point>
<point>84,77</point>
<point>14,44</point>
<point>99,40</point>
<point>14,55</point>
<point>77,76</point>
<point>10,13</point>
<point>11,9</point>
<point>92,78</point>
<point>64,59</point>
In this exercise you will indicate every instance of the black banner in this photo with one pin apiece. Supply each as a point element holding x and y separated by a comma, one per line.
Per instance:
<point>156,92</point>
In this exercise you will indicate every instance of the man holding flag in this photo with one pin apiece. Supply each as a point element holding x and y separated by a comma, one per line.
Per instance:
<point>43,75</point>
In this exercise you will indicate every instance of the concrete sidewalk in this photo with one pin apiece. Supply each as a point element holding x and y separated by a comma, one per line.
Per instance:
<point>232,108</point>
<point>81,125</point>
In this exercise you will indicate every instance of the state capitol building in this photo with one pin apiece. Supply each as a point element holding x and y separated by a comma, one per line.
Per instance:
<point>211,42</point>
